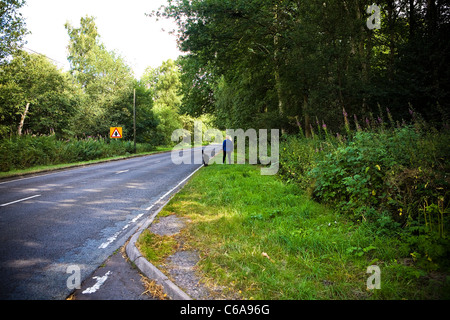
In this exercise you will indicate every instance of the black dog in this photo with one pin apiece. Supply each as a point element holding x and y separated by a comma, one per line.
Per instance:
<point>205,158</point>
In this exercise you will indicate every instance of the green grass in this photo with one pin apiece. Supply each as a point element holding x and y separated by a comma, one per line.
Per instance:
<point>156,248</point>
<point>263,239</point>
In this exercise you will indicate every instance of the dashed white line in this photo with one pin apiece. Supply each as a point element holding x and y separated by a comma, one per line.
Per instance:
<point>20,200</point>
<point>123,171</point>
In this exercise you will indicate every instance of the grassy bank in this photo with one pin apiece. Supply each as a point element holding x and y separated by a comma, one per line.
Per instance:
<point>264,239</point>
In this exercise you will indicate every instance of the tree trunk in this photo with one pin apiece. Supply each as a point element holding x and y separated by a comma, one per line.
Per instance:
<point>412,19</point>
<point>22,119</point>
<point>277,62</point>
<point>306,116</point>
<point>431,17</point>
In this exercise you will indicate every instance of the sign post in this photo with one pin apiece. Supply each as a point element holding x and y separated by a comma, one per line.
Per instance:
<point>134,119</point>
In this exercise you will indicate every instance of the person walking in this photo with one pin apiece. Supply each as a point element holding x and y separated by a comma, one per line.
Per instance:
<point>227,147</point>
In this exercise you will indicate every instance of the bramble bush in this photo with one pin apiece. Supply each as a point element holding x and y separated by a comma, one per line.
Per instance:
<point>396,179</point>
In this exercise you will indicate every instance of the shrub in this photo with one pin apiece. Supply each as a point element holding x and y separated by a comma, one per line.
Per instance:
<point>28,151</point>
<point>395,179</point>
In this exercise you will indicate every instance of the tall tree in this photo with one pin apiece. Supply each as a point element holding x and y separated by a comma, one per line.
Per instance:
<point>12,27</point>
<point>35,95</point>
<point>104,76</point>
<point>282,63</point>
<point>164,84</point>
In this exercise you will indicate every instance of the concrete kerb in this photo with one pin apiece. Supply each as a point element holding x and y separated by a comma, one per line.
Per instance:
<point>147,268</point>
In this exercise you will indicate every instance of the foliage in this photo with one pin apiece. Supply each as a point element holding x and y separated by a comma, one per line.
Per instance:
<point>263,64</point>
<point>12,27</point>
<point>396,178</point>
<point>107,82</point>
<point>32,79</point>
<point>164,84</point>
<point>28,151</point>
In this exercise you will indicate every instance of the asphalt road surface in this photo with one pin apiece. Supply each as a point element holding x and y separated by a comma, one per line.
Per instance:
<point>54,224</point>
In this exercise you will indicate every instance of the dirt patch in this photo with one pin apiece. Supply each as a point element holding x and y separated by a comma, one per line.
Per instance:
<point>181,268</point>
<point>167,226</point>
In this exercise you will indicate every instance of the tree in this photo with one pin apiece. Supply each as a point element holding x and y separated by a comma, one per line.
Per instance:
<point>35,95</point>
<point>12,27</point>
<point>283,63</point>
<point>105,78</point>
<point>146,120</point>
<point>164,84</point>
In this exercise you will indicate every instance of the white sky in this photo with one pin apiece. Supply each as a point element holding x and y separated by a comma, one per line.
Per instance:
<point>122,25</point>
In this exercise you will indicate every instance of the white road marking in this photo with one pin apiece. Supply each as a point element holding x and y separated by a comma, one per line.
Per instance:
<point>20,200</point>
<point>123,171</point>
<point>114,237</point>
<point>168,192</point>
<point>98,284</point>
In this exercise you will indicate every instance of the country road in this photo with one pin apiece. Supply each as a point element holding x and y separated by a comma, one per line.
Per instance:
<point>76,217</point>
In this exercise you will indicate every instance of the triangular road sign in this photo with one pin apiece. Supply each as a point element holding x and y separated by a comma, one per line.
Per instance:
<point>116,133</point>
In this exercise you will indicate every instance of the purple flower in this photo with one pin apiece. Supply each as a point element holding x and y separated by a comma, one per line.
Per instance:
<point>380,120</point>
<point>344,112</point>
<point>324,125</point>
<point>367,121</point>
<point>411,112</point>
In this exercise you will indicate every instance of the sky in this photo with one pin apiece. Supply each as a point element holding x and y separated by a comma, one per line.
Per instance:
<point>122,25</point>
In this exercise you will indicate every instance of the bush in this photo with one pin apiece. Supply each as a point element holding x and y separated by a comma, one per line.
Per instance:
<point>395,179</point>
<point>298,157</point>
<point>28,151</point>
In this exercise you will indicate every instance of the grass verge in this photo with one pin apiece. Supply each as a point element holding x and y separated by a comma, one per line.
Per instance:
<point>264,239</point>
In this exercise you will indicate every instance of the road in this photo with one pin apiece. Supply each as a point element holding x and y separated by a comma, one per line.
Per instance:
<point>76,217</point>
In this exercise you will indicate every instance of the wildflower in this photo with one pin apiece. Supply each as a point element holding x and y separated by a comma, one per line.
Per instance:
<point>358,127</point>
<point>347,127</point>
<point>324,126</point>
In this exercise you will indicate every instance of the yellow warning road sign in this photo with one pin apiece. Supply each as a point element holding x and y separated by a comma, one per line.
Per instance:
<point>115,132</point>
